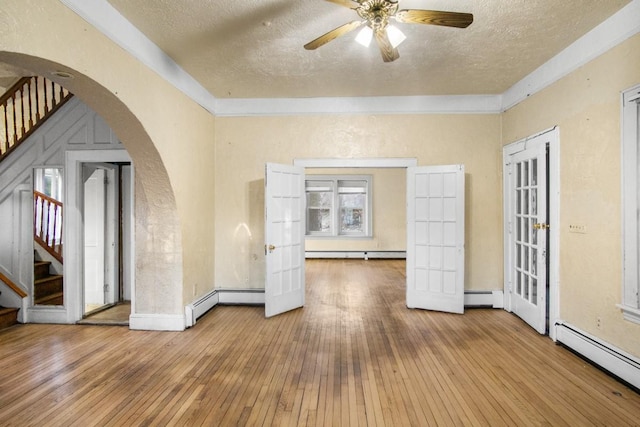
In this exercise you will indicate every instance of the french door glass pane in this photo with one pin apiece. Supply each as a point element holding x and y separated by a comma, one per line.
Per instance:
<point>526,245</point>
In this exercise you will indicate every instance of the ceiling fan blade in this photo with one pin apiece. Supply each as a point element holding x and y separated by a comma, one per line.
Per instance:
<point>346,3</point>
<point>389,53</point>
<point>434,17</point>
<point>333,34</point>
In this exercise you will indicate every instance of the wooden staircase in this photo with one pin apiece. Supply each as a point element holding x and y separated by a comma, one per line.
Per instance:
<point>47,287</point>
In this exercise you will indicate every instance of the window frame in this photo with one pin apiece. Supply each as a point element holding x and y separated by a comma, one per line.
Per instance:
<point>630,120</point>
<point>335,232</point>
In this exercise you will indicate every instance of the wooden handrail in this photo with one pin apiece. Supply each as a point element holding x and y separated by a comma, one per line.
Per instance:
<point>47,224</point>
<point>25,106</point>
<point>15,288</point>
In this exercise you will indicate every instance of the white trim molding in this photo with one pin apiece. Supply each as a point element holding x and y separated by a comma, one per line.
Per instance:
<point>630,161</point>
<point>612,359</point>
<point>447,104</point>
<point>157,322</point>
<point>381,162</point>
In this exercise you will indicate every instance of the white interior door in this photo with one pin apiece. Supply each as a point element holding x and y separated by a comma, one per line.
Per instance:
<point>527,233</point>
<point>94,237</point>
<point>100,235</point>
<point>284,238</point>
<point>435,238</point>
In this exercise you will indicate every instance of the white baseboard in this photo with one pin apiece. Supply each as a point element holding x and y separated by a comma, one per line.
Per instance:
<point>42,314</point>
<point>355,254</point>
<point>157,322</point>
<point>492,299</point>
<point>603,354</point>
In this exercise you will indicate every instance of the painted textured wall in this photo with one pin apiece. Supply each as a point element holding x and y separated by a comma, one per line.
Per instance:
<point>586,107</point>
<point>243,145</point>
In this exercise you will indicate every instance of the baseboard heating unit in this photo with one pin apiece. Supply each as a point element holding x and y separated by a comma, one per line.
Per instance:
<point>616,361</point>
<point>199,307</point>
<point>355,254</point>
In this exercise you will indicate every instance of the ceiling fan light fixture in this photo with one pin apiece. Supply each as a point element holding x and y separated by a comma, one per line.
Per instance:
<point>364,36</point>
<point>395,36</point>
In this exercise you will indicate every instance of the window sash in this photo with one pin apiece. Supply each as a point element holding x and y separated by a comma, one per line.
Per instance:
<point>347,220</point>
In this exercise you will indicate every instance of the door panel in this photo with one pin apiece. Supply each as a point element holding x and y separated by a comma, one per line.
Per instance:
<point>94,235</point>
<point>435,238</point>
<point>527,261</point>
<point>284,238</point>
<point>100,235</point>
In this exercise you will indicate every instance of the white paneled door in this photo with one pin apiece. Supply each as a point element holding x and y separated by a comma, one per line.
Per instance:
<point>435,238</point>
<point>527,232</point>
<point>284,238</point>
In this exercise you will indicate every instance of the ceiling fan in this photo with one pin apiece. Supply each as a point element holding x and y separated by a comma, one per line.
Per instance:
<point>376,14</point>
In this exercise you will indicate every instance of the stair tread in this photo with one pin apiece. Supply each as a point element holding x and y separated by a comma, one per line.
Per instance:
<point>4,310</point>
<point>49,297</point>
<point>50,278</point>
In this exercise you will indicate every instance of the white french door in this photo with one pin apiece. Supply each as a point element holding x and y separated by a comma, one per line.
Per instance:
<point>435,238</point>
<point>527,231</point>
<point>284,238</point>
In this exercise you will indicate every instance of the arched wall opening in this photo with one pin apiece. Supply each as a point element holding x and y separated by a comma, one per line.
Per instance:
<point>158,240</point>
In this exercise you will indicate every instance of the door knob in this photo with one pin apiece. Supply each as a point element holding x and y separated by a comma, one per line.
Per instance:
<point>271,248</point>
<point>539,226</point>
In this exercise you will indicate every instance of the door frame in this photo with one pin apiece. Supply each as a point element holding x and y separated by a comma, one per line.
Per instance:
<point>553,139</point>
<point>73,250</point>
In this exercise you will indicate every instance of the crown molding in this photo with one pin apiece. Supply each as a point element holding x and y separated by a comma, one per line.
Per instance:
<point>104,17</point>
<point>610,33</point>
<point>458,104</point>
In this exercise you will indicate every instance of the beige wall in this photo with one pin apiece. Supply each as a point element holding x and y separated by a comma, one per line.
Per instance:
<point>243,145</point>
<point>586,107</point>
<point>169,137</point>
<point>388,192</point>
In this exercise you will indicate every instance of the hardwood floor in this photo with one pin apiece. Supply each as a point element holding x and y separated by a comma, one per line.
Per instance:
<point>354,355</point>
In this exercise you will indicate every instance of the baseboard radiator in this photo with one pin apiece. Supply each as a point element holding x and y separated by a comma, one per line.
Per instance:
<point>356,254</point>
<point>484,299</point>
<point>199,307</point>
<point>205,303</point>
<point>611,359</point>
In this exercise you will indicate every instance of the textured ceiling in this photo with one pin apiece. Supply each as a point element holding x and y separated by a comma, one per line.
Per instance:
<point>254,48</point>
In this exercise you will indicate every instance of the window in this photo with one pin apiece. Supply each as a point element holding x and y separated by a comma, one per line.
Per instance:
<point>630,199</point>
<point>338,206</point>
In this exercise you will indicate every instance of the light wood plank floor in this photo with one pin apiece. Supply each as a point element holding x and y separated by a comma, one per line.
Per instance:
<point>353,356</point>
